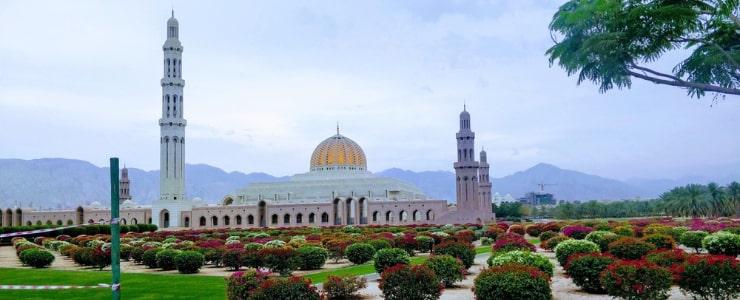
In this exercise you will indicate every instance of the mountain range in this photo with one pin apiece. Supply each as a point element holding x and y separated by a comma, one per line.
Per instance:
<point>66,183</point>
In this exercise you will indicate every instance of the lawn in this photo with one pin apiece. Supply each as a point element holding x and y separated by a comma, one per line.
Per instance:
<point>133,285</point>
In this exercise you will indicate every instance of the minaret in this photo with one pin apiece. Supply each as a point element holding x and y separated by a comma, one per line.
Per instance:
<point>485,183</point>
<point>124,186</point>
<point>166,211</point>
<point>466,168</point>
<point>172,124</point>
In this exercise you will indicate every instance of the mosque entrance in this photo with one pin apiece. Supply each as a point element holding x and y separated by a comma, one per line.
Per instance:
<point>165,217</point>
<point>261,213</point>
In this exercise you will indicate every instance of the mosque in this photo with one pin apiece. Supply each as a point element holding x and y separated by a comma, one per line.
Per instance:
<point>337,190</point>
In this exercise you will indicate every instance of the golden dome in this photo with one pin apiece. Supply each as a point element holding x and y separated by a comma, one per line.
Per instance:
<point>338,153</point>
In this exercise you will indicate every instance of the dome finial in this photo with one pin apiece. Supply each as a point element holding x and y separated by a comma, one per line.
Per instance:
<point>173,10</point>
<point>464,105</point>
<point>337,127</point>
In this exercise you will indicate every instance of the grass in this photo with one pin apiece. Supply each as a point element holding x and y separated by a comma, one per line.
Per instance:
<point>133,285</point>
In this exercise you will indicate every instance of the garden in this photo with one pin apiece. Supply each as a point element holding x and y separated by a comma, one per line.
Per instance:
<point>651,258</point>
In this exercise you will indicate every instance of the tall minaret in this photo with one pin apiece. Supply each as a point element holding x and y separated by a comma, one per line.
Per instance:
<point>485,183</point>
<point>172,124</point>
<point>167,210</point>
<point>466,168</point>
<point>124,186</point>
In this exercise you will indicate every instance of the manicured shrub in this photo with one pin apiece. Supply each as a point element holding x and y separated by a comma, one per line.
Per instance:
<point>667,258</point>
<point>709,277</point>
<point>512,282</point>
<point>661,241</point>
<point>285,288</point>
<point>722,242</point>
<point>281,260</point>
<point>466,236</point>
<point>584,270</point>
<point>83,256</point>
<point>577,232</point>
<point>213,255</point>
<point>676,232</point>
<point>624,230</point>
<point>125,251</point>
<point>386,258</point>
<point>343,287</point>
<point>137,254</point>
<point>312,257</point>
<point>380,243</point>
<point>231,258</point>
<point>511,242</point>
<point>463,251</point>
<point>692,239</point>
<point>553,242</point>
<point>403,282</point>
<point>37,257</point>
<point>360,253</point>
<point>524,258</point>
<point>101,256</point>
<point>518,229</point>
<point>629,248</point>
<point>336,249</point>
<point>166,259</point>
<point>546,235</point>
<point>569,247</point>
<point>68,249</point>
<point>149,258</point>
<point>494,232</point>
<point>189,262</point>
<point>602,238</point>
<point>635,280</point>
<point>486,241</point>
<point>251,258</point>
<point>240,283</point>
<point>448,269</point>
<point>425,243</point>
<point>533,230</point>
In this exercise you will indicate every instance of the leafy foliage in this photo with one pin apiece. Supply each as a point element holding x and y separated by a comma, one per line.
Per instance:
<point>584,270</point>
<point>288,288</point>
<point>638,279</point>
<point>611,42</point>
<point>344,287</point>
<point>722,242</point>
<point>569,247</point>
<point>36,257</point>
<point>709,277</point>
<point>692,239</point>
<point>386,258</point>
<point>524,258</point>
<point>628,248</point>
<point>448,269</point>
<point>189,262</point>
<point>463,251</point>
<point>403,282</point>
<point>512,282</point>
<point>240,283</point>
<point>360,253</point>
<point>312,257</point>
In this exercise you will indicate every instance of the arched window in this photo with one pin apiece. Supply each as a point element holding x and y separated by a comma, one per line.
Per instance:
<point>375,216</point>
<point>238,220</point>
<point>250,220</point>
<point>169,68</point>
<point>202,221</point>
<point>214,221</point>
<point>134,221</point>
<point>227,220</point>
<point>324,218</point>
<point>311,218</point>
<point>299,218</point>
<point>388,216</point>
<point>286,219</point>
<point>187,221</point>
<point>274,219</point>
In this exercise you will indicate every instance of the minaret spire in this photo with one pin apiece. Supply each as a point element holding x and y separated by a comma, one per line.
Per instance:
<point>337,127</point>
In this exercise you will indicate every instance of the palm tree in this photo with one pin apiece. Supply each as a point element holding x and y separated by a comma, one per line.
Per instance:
<point>717,206</point>
<point>733,195</point>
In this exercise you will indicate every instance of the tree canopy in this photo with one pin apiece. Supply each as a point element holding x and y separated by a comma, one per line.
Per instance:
<point>609,42</point>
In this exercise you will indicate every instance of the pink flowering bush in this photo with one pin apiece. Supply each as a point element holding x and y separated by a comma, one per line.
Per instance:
<point>636,280</point>
<point>512,282</point>
<point>240,283</point>
<point>285,288</point>
<point>403,282</point>
<point>512,241</point>
<point>577,232</point>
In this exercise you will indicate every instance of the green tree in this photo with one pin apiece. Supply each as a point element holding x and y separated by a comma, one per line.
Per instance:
<point>609,42</point>
<point>733,194</point>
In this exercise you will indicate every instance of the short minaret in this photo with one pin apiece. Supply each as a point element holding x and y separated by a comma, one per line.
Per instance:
<point>124,186</point>
<point>172,133</point>
<point>466,168</point>
<point>485,183</point>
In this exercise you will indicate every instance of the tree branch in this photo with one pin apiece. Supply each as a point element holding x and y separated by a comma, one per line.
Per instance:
<point>685,84</point>
<point>710,43</point>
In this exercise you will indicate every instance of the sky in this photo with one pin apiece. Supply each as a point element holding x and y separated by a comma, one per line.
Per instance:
<point>267,81</point>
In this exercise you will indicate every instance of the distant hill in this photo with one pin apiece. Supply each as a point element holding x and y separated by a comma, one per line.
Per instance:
<point>66,183</point>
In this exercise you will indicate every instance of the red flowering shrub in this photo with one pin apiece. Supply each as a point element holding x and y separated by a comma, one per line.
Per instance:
<point>512,241</point>
<point>512,282</point>
<point>282,260</point>
<point>336,249</point>
<point>667,258</point>
<point>494,232</point>
<point>407,242</point>
<point>633,280</point>
<point>577,232</point>
<point>518,229</point>
<point>629,248</point>
<point>240,283</point>
<point>288,288</point>
<point>463,251</point>
<point>584,270</point>
<point>402,282</point>
<point>534,230</point>
<point>661,241</point>
<point>709,276</point>
<point>554,227</point>
<point>231,258</point>
<point>466,236</point>
<point>343,288</point>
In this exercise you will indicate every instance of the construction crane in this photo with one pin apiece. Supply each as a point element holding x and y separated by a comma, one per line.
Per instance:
<point>542,186</point>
